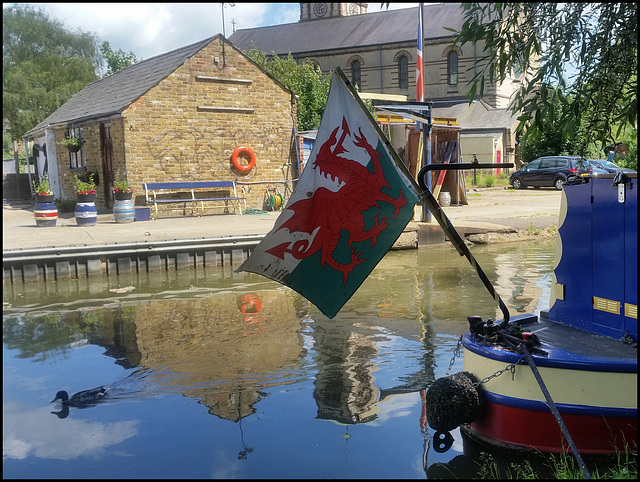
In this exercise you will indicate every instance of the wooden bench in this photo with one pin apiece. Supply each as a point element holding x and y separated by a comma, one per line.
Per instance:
<point>190,194</point>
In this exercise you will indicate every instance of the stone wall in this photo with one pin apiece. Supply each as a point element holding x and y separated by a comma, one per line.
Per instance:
<point>187,127</point>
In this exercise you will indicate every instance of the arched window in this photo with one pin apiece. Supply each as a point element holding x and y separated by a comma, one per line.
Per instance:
<point>452,68</point>
<point>356,75</point>
<point>403,72</point>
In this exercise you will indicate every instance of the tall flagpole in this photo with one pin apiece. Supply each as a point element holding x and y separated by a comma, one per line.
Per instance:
<point>419,60</point>
<point>426,147</point>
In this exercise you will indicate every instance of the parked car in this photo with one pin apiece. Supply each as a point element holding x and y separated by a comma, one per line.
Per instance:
<point>609,166</point>
<point>548,171</point>
<point>588,167</point>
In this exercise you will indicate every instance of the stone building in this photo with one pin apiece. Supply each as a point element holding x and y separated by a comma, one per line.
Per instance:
<point>377,51</point>
<point>174,117</point>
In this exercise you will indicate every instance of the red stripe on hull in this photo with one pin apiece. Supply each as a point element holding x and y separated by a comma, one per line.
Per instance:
<point>539,430</point>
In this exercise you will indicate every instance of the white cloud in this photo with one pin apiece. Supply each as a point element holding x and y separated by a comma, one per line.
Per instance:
<point>150,29</point>
<point>35,432</point>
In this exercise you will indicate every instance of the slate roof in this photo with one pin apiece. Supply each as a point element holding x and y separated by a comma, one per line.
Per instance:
<point>354,31</point>
<point>113,94</point>
<point>479,115</point>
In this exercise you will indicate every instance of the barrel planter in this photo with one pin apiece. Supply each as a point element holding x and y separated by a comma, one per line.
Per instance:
<point>123,208</point>
<point>86,212</point>
<point>45,212</point>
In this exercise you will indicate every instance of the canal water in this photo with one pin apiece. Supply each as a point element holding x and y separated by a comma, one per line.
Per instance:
<point>216,374</point>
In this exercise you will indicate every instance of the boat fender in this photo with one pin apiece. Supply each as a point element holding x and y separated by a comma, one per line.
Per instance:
<point>452,401</point>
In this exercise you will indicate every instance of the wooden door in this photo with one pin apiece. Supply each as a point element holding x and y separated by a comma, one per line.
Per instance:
<point>107,162</point>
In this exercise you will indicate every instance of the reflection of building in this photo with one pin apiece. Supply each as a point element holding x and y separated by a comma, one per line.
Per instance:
<point>344,386</point>
<point>217,353</point>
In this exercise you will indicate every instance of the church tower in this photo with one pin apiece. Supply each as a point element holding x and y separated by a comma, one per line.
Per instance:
<point>321,10</point>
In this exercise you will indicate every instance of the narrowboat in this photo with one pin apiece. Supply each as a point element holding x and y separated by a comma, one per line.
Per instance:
<point>574,384</point>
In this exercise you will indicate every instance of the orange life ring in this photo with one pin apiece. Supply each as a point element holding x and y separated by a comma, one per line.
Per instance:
<point>243,167</point>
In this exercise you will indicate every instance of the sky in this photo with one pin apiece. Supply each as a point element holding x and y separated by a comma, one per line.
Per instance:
<point>150,29</point>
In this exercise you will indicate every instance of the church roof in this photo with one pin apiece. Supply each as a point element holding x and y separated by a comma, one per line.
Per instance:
<point>353,31</point>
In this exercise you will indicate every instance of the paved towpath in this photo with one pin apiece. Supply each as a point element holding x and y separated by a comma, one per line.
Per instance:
<point>488,210</point>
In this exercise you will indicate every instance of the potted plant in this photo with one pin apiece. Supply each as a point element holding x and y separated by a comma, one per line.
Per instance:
<point>86,212</point>
<point>122,190</point>
<point>42,189</point>
<point>74,144</point>
<point>45,211</point>
<point>85,187</point>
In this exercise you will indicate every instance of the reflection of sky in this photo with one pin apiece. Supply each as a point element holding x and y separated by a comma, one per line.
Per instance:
<point>29,428</point>
<point>33,431</point>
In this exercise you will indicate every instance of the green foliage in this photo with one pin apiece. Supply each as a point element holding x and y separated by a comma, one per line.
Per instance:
<point>43,65</point>
<point>307,82</point>
<point>85,184</point>
<point>597,41</point>
<point>72,142</point>
<point>65,205</point>
<point>43,186</point>
<point>116,61</point>
<point>630,159</point>
<point>121,185</point>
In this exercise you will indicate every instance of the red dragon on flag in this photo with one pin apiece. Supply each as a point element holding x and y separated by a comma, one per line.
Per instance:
<point>350,205</point>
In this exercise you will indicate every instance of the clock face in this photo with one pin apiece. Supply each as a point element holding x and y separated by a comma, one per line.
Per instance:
<point>320,9</point>
<point>353,9</point>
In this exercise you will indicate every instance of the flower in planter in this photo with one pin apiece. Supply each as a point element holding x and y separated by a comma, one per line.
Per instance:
<point>72,143</point>
<point>121,186</point>
<point>85,187</point>
<point>43,187</point>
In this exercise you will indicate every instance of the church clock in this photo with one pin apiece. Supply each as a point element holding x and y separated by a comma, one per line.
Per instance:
<point>320,9</point>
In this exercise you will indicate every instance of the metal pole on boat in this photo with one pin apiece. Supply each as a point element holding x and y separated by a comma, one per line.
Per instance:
<point>554,410</point>
<point>454,236</point>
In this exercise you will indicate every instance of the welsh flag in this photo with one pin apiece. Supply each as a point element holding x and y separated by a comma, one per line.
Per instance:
<point>350,205</point>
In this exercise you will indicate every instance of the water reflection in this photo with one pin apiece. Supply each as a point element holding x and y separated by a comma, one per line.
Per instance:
<point>233,342</point>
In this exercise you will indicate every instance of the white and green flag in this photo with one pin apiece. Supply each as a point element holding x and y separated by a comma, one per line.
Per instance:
<point>350,205</point>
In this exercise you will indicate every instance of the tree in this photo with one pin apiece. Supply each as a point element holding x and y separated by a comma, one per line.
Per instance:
<point>578,58</point>
<point>116,61</point>
<point>306,81</point>
<point>43,65</point>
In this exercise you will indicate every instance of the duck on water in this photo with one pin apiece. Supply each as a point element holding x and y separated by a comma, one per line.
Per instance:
<point>83,399</point>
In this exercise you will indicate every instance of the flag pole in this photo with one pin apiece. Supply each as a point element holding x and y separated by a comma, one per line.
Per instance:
<point>431,202</point>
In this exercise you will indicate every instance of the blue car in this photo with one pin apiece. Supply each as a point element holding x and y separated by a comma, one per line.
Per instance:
<point>609,166</point>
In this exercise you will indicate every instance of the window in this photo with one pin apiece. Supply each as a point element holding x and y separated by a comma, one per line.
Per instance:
<point>356,78</point>
<point>76,159</point>
<point>403,72</point>
<point>452,68</point>
<point>547,163</point>
<point>533,165</point>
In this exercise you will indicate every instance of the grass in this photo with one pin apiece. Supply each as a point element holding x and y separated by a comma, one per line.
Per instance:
<point>486,179</point>
<point>560,466</point>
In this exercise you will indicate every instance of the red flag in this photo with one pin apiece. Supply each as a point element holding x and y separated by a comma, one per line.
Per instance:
<point>419,61</point>
<point>350,205</point>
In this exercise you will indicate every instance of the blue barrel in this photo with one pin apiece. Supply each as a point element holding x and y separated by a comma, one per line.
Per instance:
<point>45,212</point>
<point>124,211</point>
<point>86,212</point>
